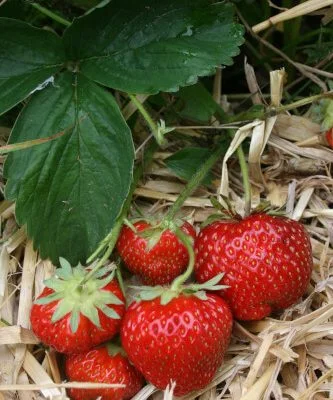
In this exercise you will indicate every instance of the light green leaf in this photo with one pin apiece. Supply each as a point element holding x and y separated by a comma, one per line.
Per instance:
<point>70,191</point>
<point>29,57</point>
<point>148,46</point>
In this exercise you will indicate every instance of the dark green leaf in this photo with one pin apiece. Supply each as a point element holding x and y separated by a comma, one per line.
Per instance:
<point>148,46</point>
<point>70,191</point>
<point>28,57</point>
<point>196,103</point>
<point>186,162</point>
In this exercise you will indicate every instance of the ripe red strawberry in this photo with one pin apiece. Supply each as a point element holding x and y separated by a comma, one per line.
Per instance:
<point>101,366</point>
<point>182,341</point>
<point>266,259</point>
<point>160,264</point>
<point>71,317</point>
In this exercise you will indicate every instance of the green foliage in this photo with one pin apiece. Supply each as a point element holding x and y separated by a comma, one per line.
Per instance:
<point>152,45</point>
<point>69,191</point>
<point>184,163</point>
<point>196,103</point>
<point>28,56</point>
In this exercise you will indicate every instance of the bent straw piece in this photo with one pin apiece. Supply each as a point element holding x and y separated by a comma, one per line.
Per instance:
<point>297,11</point>
<point>258,389</point>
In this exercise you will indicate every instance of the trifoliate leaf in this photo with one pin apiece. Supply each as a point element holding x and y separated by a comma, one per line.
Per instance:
<point>148,46</point>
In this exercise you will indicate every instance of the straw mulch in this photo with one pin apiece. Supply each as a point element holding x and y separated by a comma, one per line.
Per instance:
<point>287,356</point>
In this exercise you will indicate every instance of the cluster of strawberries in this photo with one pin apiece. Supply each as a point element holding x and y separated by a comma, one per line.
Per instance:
<point>179,333</point>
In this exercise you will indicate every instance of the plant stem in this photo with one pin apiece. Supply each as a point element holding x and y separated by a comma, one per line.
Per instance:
<point>299,103</point>
<point>195,181</point>
<point>111,239</point>
<point>187,243</point>
<point>153,127</point>
<point>51,14</point>
<point>246,180</point>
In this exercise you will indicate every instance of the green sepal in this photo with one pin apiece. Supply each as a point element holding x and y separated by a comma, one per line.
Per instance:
<point>76,293</point>
<point>114,349</point>
<point>211,284</point>
<point>74,320</point>
<point>167,296</point>
<point>65,269</point>
<point>54,284</point>
<point>109,312</point>
<point>105,281</point>
<point>49,299</point>
<point>147,292</point>
<point>91,313</point>
<point>201,295</point>
<point>109,298</point>
<point>63,308</point>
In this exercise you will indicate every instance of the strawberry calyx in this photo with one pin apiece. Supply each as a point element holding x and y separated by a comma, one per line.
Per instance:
<point>114,349</point>
<point>167,294</point>
<point>77,295</point>
<point>227,211</point>
<point>153,233</point>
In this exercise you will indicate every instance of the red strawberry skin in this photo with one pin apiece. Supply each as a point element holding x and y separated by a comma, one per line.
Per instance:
<point>183,341</point>
<point>59,334</point>
<point>160,265</point>
<point>267,262</point>
<point>98,366</point>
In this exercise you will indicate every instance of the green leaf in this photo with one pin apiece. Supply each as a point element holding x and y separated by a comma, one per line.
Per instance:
<point>196,103</point>
<point>148,46</point>
<point>29,57</point>
<point>70,191</point>
<point>184,163</point>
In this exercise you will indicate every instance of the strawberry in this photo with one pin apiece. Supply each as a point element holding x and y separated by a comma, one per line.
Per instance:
<point>101,365</point>
<point>160,264</point>
<point>182,341</point>
<point>266,259</point>
<point>72,316</point>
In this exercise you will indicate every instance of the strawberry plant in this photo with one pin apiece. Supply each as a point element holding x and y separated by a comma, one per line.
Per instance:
<point>70,189</point>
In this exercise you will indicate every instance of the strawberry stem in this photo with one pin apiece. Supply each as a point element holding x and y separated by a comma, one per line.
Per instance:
<point>111,239</point>
<point>151,123</point>
<point>246,180</point>
<point>181,279</point>
<point>192,184</point>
